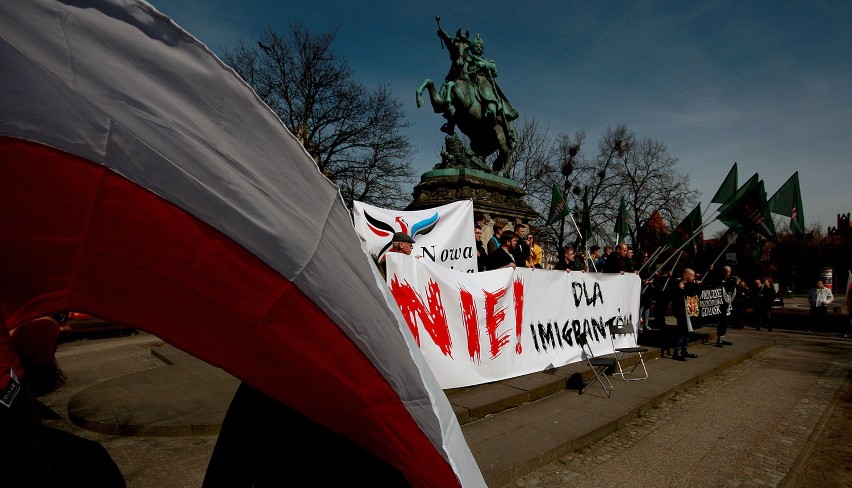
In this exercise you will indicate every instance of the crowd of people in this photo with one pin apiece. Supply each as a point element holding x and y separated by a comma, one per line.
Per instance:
<point>519,248</point>
<point>668,294</point>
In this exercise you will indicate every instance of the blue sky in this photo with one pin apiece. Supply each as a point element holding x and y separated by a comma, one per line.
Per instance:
<point>766,84</point>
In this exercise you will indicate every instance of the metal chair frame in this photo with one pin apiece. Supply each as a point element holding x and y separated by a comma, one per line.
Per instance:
<point>598,365</point>
<point>622,352</point>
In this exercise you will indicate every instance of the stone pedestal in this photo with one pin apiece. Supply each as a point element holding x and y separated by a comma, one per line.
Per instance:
<point>493,196</point>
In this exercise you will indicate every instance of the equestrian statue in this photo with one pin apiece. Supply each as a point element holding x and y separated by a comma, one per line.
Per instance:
<point>471,100</point>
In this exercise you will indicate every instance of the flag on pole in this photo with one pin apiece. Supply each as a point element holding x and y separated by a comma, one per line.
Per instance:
<point>728,188</point>
<point>686,230</point>
<point>788,201</point>
<point>558,206</point>
<point>142,183</point>
<point>750,241</point>
<point>621,229</point>
<point>748,211</point>
<point>747,187</point>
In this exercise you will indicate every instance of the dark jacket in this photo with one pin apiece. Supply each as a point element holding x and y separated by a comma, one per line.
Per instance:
<point>499,258</point>
<point>616,263</point>
<point>482,258</point>
<point>681,298</point>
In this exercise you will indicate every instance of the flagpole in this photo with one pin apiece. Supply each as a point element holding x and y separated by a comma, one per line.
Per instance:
<point>669,277</point>
<point>719,256</point>
<point>698,231</point>
<point>579,234</point>
<point>653,257</point>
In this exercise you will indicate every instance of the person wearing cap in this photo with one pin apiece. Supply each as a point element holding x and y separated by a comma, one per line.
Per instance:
<point>402,242</point>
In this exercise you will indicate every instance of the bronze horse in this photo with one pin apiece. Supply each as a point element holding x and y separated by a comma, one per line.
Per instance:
<point>459,102</point>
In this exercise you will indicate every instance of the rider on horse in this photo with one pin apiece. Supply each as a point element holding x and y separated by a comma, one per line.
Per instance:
<point>471,99</point>
<point>469,64</point>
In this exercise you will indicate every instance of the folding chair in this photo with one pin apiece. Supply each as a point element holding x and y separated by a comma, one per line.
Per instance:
<point>622,352</point>
<point>598,365</point>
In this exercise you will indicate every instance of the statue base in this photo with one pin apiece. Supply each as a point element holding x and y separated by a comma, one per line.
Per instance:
<point>493,196</point>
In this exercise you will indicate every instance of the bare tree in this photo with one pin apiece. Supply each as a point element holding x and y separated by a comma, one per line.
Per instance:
<point>533,167</point>
<point>353,134</point>
<point>645,174</point>
<point>641,171</point>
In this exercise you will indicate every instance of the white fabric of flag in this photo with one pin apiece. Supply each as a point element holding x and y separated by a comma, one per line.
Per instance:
<point>116,120</point>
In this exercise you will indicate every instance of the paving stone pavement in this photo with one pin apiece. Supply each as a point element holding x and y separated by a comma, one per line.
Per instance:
<point>745,427</point>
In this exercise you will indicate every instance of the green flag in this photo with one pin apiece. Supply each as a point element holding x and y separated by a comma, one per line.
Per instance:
<point>621,228</point>
<point>686,229</point>
<point>788,201</point>
<point>558,206</point>
<point>728,188</point>
<point>750,245</point>
<point>749,212</point>
<point>747,187</point>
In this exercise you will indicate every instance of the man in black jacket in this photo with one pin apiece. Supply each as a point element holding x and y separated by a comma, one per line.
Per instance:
<point>522,251</point>
<point>502,257</point>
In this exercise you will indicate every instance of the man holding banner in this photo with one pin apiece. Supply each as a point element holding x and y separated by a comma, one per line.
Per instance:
<point>684,306</point>
<point>503,257</point>
<point>441,234</point>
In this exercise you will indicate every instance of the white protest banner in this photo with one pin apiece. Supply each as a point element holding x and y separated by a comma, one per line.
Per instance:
<point>489,326</point>
<point>443,235</point>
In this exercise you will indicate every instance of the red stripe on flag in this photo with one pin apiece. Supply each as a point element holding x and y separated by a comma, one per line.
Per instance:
<point>76,235</point>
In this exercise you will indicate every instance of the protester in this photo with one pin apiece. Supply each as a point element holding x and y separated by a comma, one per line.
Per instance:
<point>619,261</point>
<point>503,257</point>
<point>522,251</point>
<point>580,259</point>
<point>536,253</point>
<point>607,250</point>
<point>662,298</point>
<point>494,242</point>
<point>741,300</point>
<point>819,298</point>
<point>478,220</point>
<point>754,301</point>
<point>401,243</point>
<point>765,298</point>
<point>729,288</point>
<point>33,454</point>
<point>568,262</point>
<point>593,259</point>
<point>684,306</point>
<point>481,253</point>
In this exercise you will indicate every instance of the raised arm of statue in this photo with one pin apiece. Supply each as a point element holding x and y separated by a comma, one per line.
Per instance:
<point>458,48</point>
<point>445,37</point>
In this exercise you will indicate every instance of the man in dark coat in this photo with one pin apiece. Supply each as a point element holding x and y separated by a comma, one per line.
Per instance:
<point>684,306</point>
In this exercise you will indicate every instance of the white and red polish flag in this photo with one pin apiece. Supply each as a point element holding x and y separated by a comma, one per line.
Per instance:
<point>142,181</point>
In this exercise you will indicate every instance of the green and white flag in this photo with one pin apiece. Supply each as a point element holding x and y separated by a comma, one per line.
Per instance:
<point>558,206</point>
<point>788,201</point>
